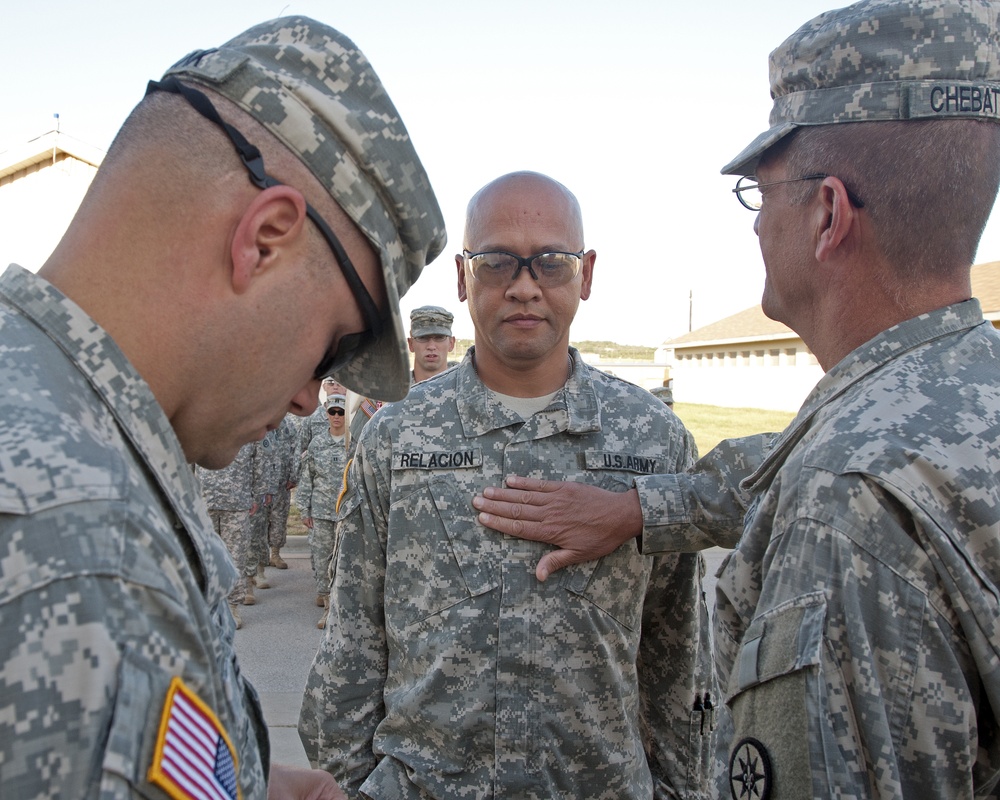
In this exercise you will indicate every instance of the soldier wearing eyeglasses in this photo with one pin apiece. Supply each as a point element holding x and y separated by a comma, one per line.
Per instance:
<point>249,233</point>
<point>448,670</point>
<point>857,619</point>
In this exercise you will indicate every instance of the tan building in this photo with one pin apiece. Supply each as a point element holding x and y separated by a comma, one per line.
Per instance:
<point>41,185</point>
<point>750,361</point>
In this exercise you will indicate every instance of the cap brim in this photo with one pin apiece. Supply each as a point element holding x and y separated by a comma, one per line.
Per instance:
<point>430,332</point>
<point>382,371</point>
<point>746,162</point>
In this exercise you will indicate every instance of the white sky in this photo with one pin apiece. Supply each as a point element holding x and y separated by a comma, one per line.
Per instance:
<point>633,104</point>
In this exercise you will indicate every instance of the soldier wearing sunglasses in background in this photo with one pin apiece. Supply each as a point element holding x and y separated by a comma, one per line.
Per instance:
<point>321,480</point>
<point>249,232</point>
<point>317,422</point>
<point>448,669</point>
<point>858,618</point>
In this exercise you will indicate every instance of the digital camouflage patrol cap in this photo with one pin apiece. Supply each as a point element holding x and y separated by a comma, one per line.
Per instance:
<point>316,92</point>
<point>664,393</point>
<point>883,60</point>
<point>430,321</point>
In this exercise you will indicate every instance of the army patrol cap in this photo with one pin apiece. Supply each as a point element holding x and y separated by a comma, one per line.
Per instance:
<point>665,393</point>
<point>430,321</point>
<point>335,401</point>
<point>311,87</point>
<point>883,60</point>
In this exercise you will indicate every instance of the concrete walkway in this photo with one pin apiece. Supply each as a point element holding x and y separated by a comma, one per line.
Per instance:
<point>276,646</point>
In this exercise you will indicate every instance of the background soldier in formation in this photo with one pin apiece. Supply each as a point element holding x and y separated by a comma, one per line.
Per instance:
<point>274,462</point>
<point>228,494</point>
<point>430,341</point>
<point>316,423</point>
<point>500,685</point>
<point>320,483</point>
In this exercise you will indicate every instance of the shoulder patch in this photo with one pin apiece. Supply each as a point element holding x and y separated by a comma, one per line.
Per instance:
<point>750,770</point>
<point>194,758</point>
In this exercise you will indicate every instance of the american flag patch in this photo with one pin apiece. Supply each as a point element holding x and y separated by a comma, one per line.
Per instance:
<point>194,759</point>
<point>370,406</point>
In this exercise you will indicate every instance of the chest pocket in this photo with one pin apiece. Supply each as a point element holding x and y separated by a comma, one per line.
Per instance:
<point>615,583</point>
<point>438,556</point>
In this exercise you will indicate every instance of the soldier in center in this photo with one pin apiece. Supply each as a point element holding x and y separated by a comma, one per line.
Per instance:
<point>448,669</point>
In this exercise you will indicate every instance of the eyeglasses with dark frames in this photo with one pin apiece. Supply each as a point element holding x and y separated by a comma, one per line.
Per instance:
<point>350,345</point>
<point>748,190</point>
<point>499,268</point>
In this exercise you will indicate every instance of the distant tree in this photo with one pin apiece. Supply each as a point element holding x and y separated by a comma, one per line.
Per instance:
<point>616,352</point>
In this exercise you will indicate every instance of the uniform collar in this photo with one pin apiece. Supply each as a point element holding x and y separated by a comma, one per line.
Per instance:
<point>574,408</point>
<point>854,368</point>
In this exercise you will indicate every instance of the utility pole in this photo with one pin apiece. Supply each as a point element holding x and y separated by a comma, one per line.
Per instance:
<point>56,115</point>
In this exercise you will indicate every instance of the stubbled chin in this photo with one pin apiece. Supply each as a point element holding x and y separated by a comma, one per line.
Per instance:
<point>217,460</point>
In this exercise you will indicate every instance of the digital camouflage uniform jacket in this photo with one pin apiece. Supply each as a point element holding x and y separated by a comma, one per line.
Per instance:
<point>316,423</point>
<point>275,459</point>
<point>112,582</point>
<point>321,477</point>
<point>449,669</point>
<point>230,488</point>
<point>858,619</point>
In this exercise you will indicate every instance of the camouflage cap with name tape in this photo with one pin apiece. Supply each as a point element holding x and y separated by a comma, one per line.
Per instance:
<point>311,87</point>
<point>883,60</point>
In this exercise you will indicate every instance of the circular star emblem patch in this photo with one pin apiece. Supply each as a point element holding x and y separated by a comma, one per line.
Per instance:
<point>750,771</point>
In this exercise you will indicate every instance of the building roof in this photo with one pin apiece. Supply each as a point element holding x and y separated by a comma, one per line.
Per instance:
<point>986,286</point>
<point>44,148</point>
<point>752,325</point>
<point>746,326</point>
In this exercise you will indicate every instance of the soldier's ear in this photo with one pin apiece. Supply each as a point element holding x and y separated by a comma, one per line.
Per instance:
<point>460,263</point>
<point>587,270</point>
<point>270,229</point>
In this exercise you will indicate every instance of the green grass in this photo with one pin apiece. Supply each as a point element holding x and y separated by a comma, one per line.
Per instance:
<point>711,424</point>
<point>295,526</point>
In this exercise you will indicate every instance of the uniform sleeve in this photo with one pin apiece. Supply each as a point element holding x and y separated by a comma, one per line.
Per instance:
<point>256,471</point>
<point>89,654</point>
<point>343,705</point>
<point>677,679</point>
<point>301,446</point>
<point>288,456</point>
<point>704,506</point>
<point>304,490</point>
<point>854,677</point>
